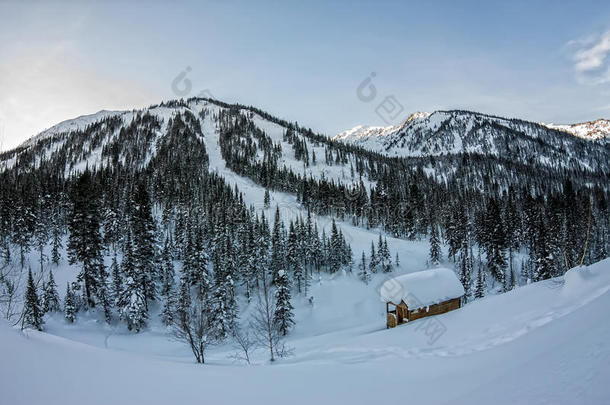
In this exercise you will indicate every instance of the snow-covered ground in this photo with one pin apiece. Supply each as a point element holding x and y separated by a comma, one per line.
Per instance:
<point>547,342</point>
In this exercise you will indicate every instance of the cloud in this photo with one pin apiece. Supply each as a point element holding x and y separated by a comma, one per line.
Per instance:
<point>591,59</point>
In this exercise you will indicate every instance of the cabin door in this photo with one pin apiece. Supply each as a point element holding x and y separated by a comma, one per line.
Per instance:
<point>399,314</point>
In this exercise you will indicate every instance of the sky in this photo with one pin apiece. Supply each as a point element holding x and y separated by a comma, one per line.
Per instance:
<point>328,65</point>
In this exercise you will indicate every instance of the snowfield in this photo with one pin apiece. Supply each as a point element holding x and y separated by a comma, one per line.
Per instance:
<point>547,342</point>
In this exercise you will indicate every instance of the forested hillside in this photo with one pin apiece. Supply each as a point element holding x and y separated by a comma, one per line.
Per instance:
<point>142,188</point>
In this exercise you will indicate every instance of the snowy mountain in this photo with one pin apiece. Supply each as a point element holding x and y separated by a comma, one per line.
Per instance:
<point>598,129</point>
<point>458,132</point>
<point>74,124</point>
<point>201,231</point>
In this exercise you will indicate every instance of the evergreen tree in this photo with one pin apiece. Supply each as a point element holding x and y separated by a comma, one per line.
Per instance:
<point>167,289</point>
<point>267,199</point>
<point>50,296</point>
<point>495,238</point>
<point>373,263</point>
<point>55,251</point>
<point>220,316</point>
<point>480,286</point>
<point>144,232</point>
<point>385,259</point>
<point>466,269</point>
<point>363,270</point>
<point>435,246</point>
<point>70,305</point>
<point>117,280</point>
<point>32,311</point>
<point>335,250</point>
<point>543,255</point>
<point>132,300</point>
<point>283,318</point>
<point>85,243</point>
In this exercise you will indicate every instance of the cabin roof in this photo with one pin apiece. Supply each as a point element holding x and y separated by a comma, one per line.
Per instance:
<point>422,288</point>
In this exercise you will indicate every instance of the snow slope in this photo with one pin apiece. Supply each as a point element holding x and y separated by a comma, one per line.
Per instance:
<point>455,131</point>
<point>75,124</point>
<point>548,342</point>
<point>597,129</point>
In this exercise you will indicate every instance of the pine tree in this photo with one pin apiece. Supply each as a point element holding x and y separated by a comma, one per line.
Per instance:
<point>117,280</point>
<point>363,270</point>
<point>283,318</point>
<point>50,296</point>
<point>384,256</point>
<point>544,268</point>
<point>267,199</point>
<point>220,316</point>
<point>495,238</point>
<point>70,305</point>
<point>465,270</point>
<point>85,242</point>
<point>480,286</point>
<point>144,232</point>
<point>335,256</point>
<point>132,300</point>
<point>32,311</point>
<point>55,251</point>
<point>435,246</point>
<point>373,263</point>
<point>167,288</point>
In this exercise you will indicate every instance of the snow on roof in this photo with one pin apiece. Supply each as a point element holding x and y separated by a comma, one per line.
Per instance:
<point>422,288</point>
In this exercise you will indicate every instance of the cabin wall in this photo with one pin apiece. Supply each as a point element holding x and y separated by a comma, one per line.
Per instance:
<point>435,309</point>
<point>402,314</point>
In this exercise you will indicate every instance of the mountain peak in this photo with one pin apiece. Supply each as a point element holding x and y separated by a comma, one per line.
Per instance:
<point>597,129</point>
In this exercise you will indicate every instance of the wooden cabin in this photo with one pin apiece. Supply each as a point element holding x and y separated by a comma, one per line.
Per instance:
<point>417,295</point>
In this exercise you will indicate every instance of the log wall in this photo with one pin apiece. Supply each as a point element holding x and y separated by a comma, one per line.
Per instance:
<point>435,309</point>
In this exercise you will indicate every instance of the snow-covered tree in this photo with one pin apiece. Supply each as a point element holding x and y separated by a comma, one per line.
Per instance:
<point>480,285</point>
<point>70,304</point>
<point>363,271</point>
<point>32,311</point>
<point>50,296</point>
<point>132,300</point>
<point>435,246</point>
<point>283,317</point>
<point>167,288</point>
<point>373,263</point>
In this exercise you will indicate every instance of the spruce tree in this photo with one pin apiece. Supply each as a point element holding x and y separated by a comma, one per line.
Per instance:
<point>465,270</point>
<point>335,251</point>
<point>50,296</point>
<point>132,300</point>
<point>435,246</point>
<point>363,272</point>
<point>144,233</point>
<point>70,305</point>
<point>220,316</point>
<point>85,242</point>
<point>167,288</point>
<point>267,199</point>
<point>32,311</point>
<point>55,251</point>
<point>283,317</point>
<point>480,286</point>
<point>373,263</point>
<point>117,280</point>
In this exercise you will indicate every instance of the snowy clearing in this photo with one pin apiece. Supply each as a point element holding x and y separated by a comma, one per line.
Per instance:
<point>547,342</point>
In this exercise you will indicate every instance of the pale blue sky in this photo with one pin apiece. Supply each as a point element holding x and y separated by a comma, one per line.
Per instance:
<point>543,61</point>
